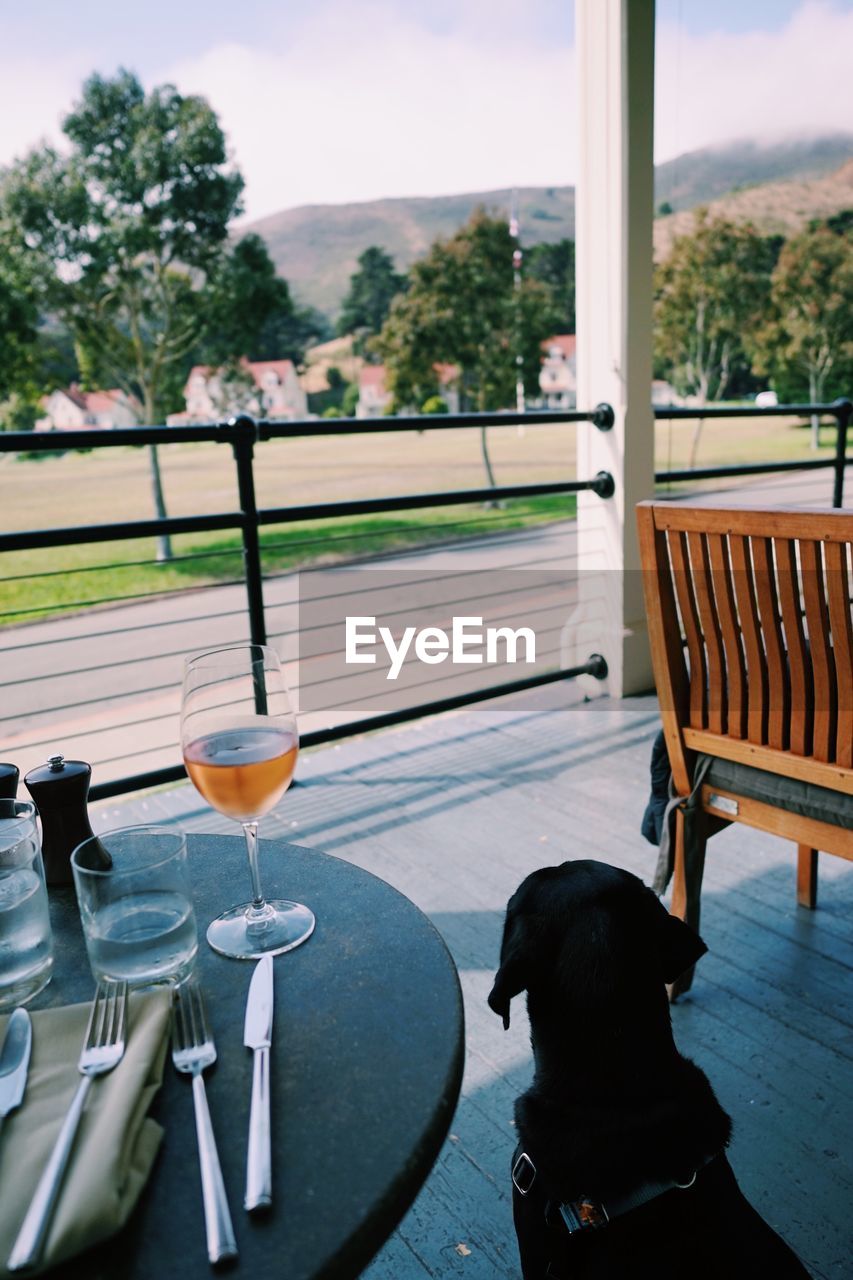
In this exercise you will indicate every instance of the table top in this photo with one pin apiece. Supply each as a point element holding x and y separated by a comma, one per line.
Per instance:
<point>366,1069</point>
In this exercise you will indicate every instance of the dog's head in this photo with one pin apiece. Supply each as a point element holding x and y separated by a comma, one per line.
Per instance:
<point>589,937</point>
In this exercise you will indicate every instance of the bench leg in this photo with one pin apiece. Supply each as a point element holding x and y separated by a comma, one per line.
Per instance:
<point>806,876</point>
<point>686,890</point>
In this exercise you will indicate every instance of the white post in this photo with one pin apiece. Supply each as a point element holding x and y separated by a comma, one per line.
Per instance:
<point>614,210</point>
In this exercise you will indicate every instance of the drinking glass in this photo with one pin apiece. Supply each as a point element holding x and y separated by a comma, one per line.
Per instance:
<point>239,741</point>
<point>135,898</point>
<point>26,947</point>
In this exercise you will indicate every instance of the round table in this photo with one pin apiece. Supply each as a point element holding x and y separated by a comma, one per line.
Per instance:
<point>366,1068</point>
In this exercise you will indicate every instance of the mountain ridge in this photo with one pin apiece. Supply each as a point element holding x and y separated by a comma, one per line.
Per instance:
<point>316,247</point>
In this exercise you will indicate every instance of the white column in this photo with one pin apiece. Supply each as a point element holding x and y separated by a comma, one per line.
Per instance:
<point>614,209</point>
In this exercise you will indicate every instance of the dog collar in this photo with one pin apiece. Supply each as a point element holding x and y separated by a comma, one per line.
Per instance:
<point>585,1212</point>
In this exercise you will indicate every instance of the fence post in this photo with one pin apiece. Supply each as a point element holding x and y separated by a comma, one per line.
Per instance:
<point>243,432</point>
<point>842,410</point>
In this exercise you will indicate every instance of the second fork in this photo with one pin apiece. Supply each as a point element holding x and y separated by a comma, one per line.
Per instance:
<point>193,1050</point>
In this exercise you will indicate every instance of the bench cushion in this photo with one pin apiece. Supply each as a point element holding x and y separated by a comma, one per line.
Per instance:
<point>791,794</point>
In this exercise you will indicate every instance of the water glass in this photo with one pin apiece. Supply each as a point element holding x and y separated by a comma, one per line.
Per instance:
<point>26,946</point>
<point>135,899</point>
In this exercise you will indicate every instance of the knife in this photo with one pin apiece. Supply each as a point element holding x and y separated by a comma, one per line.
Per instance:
<point>14,1061</point>
<point>257,1036</point>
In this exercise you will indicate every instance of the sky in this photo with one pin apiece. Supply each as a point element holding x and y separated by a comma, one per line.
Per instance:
<point>333,101</point>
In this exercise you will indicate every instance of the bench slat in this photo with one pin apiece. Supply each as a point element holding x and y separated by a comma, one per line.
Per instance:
<point>710,626</point>
<point>756,663</point>
<point>823,667</point>
<point>778,687</point>
<point>718,553</point>
<point>799,667</point>
<point>838,591</point>
<point>692,631</point>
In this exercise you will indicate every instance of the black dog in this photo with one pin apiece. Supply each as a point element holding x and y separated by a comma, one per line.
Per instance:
<point>620,1170</point>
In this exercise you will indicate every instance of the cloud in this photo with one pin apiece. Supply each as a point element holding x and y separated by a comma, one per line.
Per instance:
<point>762,85</point>
<point>377,98</point>
<point>366,103</point>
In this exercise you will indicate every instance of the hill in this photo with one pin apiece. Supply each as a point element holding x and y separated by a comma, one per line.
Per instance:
<point>774,207</point>
<point>697,177</point>
<point>316,247</point>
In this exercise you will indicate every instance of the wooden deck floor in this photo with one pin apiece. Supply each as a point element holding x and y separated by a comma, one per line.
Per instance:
<point>454,811</point>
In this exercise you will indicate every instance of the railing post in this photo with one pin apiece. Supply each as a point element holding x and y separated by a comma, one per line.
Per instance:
<point>842,410</point>
<point>243,432</point>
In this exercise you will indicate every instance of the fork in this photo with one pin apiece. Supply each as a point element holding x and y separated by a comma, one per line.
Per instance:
<point>102,1050</point>
<point>192,1051</point>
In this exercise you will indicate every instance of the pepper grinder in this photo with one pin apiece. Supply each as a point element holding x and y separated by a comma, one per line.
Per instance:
<point>59,790</point>
<point>8,781</point>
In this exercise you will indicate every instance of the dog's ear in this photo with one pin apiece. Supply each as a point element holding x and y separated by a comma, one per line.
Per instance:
<point>516,966</point>
<point>681,947</point>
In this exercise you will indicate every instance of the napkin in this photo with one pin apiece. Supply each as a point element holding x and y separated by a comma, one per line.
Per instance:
<point>116,1142</point>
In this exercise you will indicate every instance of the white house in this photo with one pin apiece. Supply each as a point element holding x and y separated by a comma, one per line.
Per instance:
<point>70,409</point>
<point>374,397</point>
<point>264,388</point>
<point>558,379</point>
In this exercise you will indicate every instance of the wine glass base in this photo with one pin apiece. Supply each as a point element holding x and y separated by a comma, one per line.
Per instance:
<point>287,925</point>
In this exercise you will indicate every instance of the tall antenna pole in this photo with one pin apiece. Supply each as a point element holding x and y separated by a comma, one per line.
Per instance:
<point>516,282</point>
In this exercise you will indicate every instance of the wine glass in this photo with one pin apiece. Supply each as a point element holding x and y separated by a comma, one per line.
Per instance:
<point>239,741</point>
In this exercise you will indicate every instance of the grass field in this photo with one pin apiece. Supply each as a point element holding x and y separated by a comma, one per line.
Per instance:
<point>103,486</point>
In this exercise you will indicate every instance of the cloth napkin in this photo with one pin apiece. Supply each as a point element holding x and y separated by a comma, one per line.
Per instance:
<point>116,1142</point>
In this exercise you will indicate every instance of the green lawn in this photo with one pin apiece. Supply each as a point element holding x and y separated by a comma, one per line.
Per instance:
<point>113,484</point>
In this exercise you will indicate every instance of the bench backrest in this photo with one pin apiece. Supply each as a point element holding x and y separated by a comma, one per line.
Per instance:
<point>760,599</point>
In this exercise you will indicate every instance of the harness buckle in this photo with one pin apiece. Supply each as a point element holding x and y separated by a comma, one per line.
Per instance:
<point>583,1213</point>
<point>523,1174</point>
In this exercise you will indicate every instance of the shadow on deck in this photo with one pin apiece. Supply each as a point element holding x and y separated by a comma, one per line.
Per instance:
<point>454,811</point>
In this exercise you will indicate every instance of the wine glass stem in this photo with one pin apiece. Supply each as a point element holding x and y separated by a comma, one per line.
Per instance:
<point>259,906</point>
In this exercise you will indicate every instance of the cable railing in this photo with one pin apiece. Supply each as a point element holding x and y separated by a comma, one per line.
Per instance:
<point>248,616</point>
<point>109,656</point>
<point>841,410</point>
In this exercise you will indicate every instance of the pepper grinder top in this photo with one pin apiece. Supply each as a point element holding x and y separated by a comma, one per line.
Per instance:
<point>60,790</point>
<point>8,781</point>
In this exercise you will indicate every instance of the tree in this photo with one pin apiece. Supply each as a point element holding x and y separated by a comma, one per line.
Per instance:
<point>372,289</point>
<point>127,229</point>
<point>709,293</point>
<point>554,265</point>
<point>18,322</point>
<point>808,337</point>
<point>462,308</point>
<point>244,296</point>
<point>287,336</point>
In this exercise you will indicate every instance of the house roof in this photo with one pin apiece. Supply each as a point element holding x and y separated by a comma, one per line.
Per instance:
<point>371,375</point>
<point>74,394</point>
<point>257,369</point>
<point>567,343</point>
<point>102,401</point>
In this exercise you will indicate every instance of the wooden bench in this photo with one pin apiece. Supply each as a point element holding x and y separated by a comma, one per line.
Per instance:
<point>749,616</point>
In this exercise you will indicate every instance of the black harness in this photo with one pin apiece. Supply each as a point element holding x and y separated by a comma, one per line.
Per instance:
<point>534,1208</point>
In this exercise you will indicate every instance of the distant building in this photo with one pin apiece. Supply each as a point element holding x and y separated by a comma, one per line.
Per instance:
<point>70,409</point>
<point>558,377</point>
<point>263,388</point>
<point>374,397</point>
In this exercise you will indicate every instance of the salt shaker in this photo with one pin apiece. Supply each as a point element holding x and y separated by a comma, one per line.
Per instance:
<point>59,790</point>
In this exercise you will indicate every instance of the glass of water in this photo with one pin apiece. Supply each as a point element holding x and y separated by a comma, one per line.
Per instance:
<point>26,948</point>
<point>135,899</point>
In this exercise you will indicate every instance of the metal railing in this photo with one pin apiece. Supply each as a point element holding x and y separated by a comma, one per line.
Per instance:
<point>242,434</point>
<point>841,410</point>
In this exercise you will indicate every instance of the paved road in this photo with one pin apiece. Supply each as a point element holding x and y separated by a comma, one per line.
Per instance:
<point>105,685</point>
